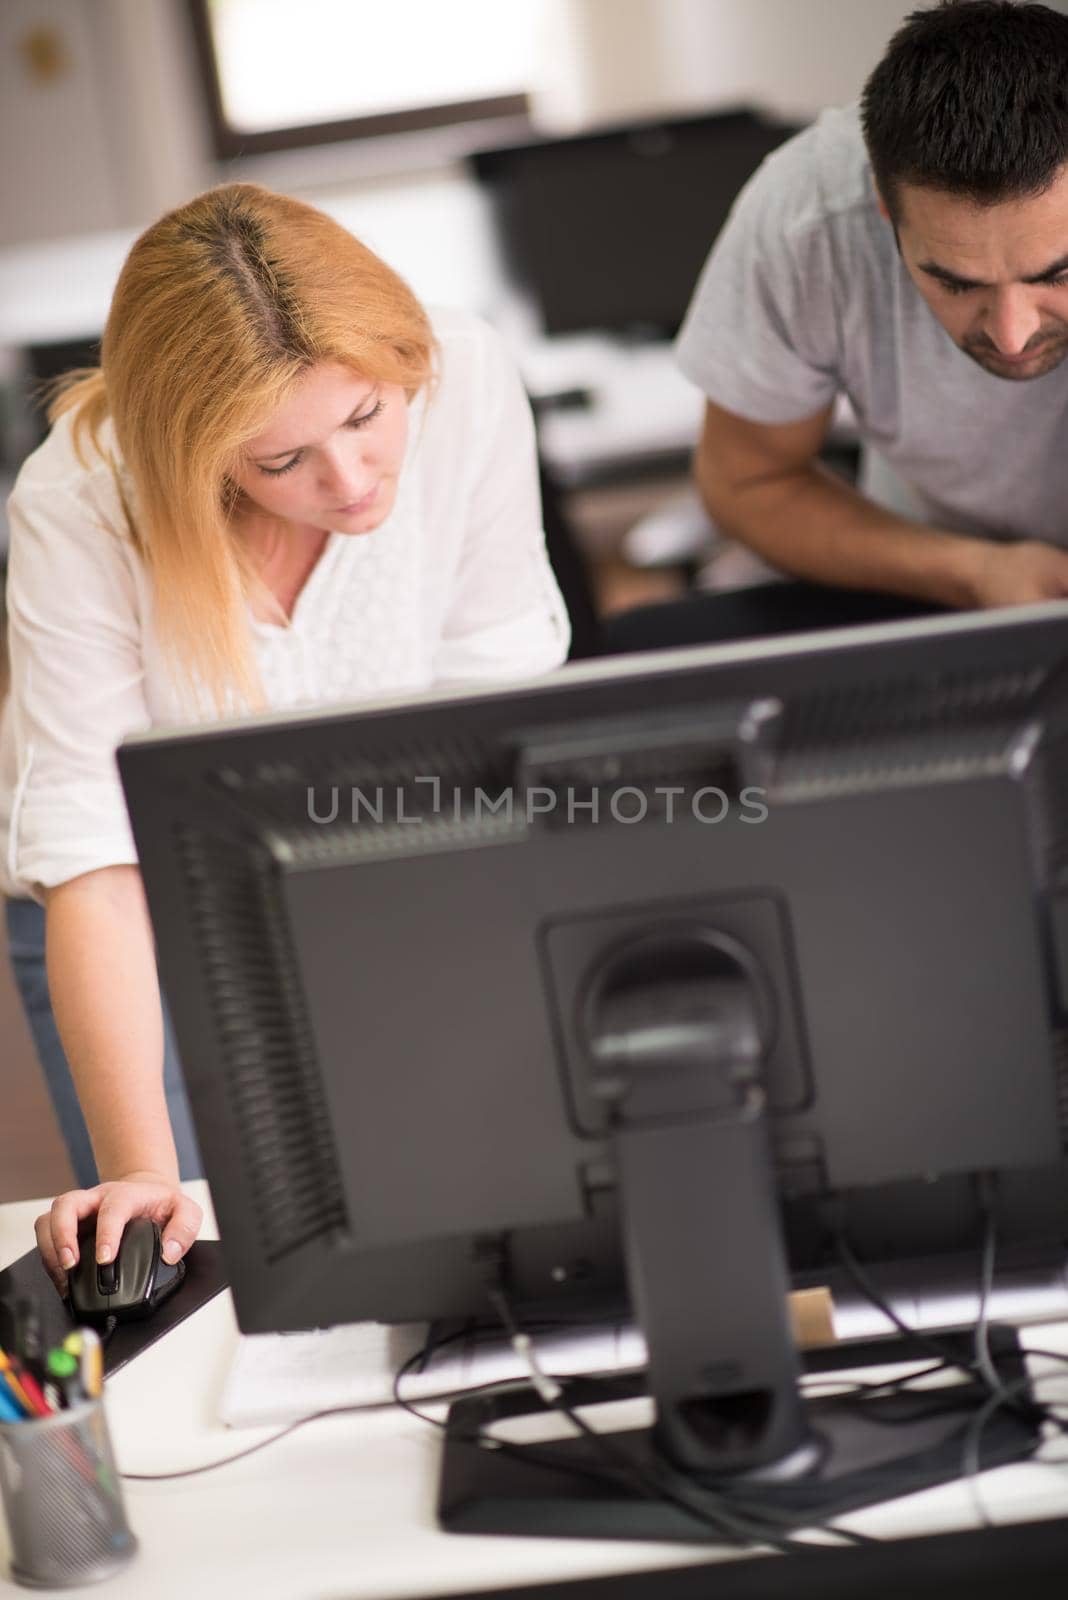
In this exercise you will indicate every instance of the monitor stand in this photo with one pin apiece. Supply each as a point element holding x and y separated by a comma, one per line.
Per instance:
<point>677,1021</point>
<point>886,1448</point>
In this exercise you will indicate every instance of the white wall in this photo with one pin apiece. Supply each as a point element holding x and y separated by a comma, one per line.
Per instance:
<point>792,58</point>
<point>120,135</point>
<point>159,130</point>
<point>116,136</point>
<point>57,172</point>
<point>619,58</point>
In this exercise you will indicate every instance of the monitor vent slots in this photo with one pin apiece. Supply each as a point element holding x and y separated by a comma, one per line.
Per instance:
<point>339,807</point>
<point>600,770</point>
<point>637,785</point>
<point>849,741</point>
<point>264,1041</point>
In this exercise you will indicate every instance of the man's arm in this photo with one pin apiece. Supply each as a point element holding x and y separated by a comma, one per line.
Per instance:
<point>764,486</point>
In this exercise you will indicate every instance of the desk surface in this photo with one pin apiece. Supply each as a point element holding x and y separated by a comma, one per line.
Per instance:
<point>344,1507</point>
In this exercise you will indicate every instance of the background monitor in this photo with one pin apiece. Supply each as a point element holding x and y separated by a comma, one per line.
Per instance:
<point>609,230</point>
<point>769,940</point>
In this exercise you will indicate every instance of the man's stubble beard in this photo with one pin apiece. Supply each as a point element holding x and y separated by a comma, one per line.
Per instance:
<point>1055,348</point>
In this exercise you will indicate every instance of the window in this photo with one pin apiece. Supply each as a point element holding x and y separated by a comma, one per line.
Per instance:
<point>284,73</point>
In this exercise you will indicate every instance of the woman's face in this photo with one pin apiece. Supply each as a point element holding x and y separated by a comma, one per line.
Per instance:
<point>330,457</point>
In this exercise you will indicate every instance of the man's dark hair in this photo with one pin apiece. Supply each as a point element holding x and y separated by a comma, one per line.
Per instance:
<point>971,97</point>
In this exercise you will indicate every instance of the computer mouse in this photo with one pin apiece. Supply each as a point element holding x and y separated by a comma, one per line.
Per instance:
<point>133,1285</point>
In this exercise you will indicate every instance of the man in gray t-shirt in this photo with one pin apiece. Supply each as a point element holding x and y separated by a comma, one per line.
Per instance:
<point>912,255</point>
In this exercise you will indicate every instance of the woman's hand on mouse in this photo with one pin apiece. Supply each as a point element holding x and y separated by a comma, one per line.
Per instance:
<point>136,1194</point>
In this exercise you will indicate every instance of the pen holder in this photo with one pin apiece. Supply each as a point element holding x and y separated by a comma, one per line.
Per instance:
<point>63,1498</point>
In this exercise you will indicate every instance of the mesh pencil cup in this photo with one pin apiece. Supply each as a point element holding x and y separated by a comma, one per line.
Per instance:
<point>63,1499</point>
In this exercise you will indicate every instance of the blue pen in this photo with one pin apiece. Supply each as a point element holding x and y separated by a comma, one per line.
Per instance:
<point>9,1411</point>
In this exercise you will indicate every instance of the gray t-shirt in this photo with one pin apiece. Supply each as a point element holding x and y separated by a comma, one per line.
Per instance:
<point>804,297</point>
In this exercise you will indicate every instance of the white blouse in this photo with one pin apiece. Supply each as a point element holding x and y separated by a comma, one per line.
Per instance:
<point>453,587</point>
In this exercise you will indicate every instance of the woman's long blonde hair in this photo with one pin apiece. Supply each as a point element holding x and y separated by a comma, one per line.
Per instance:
<point>221,307</point>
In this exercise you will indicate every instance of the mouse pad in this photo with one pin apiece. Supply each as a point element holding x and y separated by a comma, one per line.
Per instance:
<point>205,1277</point>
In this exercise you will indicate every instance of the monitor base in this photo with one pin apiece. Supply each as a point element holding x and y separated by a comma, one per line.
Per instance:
<point>871,1450</point>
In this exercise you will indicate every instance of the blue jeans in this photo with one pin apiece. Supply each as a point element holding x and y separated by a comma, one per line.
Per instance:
<point>26,942</point>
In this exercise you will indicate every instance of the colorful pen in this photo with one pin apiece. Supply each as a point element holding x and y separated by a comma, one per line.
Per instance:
<point>17,1390</point>
<point>34,1391</point>
<point>25,1384</point>
<point>85,1344</point>
<point>9,1410</point>
<point>80,1344</point>
<point>64,1370</point>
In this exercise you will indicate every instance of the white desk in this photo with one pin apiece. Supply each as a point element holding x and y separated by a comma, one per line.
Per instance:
<point>344,1507</point>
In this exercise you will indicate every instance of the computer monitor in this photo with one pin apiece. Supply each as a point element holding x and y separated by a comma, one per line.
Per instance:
<point>767,942</point>
<point>609,230</point>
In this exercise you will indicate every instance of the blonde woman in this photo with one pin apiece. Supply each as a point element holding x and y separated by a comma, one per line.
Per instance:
<point>287,484</point>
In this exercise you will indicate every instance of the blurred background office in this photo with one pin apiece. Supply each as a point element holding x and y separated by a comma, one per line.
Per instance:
<point>559,166</point>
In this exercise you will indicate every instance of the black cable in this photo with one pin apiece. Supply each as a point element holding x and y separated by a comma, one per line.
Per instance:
<point>983,1358</point>
<point>617,1468</point>
<point>1017,1394</point>
<point>620,1472</point>
<point>994,1381</point>
<point>737,1514</point>
<point>417,1362</point>
<point>1047,1355</point>
<point>859,1389</point>
<point>473,1329</point>
<point>239,1455</point>
<point>938,1349</point>
<point>1042,1410</point>
<point>314,1416</point>
<point>866,1386</point>
<point>971,1462</point>
<point>502,1385</point>
<point>981,1365</point>
<point>931,1402</point>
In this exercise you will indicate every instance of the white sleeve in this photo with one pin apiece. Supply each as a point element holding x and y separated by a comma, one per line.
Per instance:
<point>505,617</point>
<point>77,686</point>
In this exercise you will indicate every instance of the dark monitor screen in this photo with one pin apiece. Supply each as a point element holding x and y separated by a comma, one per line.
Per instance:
<point>609,230</point>
<point>768,940</point>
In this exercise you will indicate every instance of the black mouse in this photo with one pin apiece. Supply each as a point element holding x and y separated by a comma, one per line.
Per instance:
<point>133,1285</point>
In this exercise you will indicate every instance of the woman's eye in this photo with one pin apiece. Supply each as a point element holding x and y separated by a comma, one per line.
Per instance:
<point>353,422</point>
<point>278,472</point>
<point>368,416</point>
